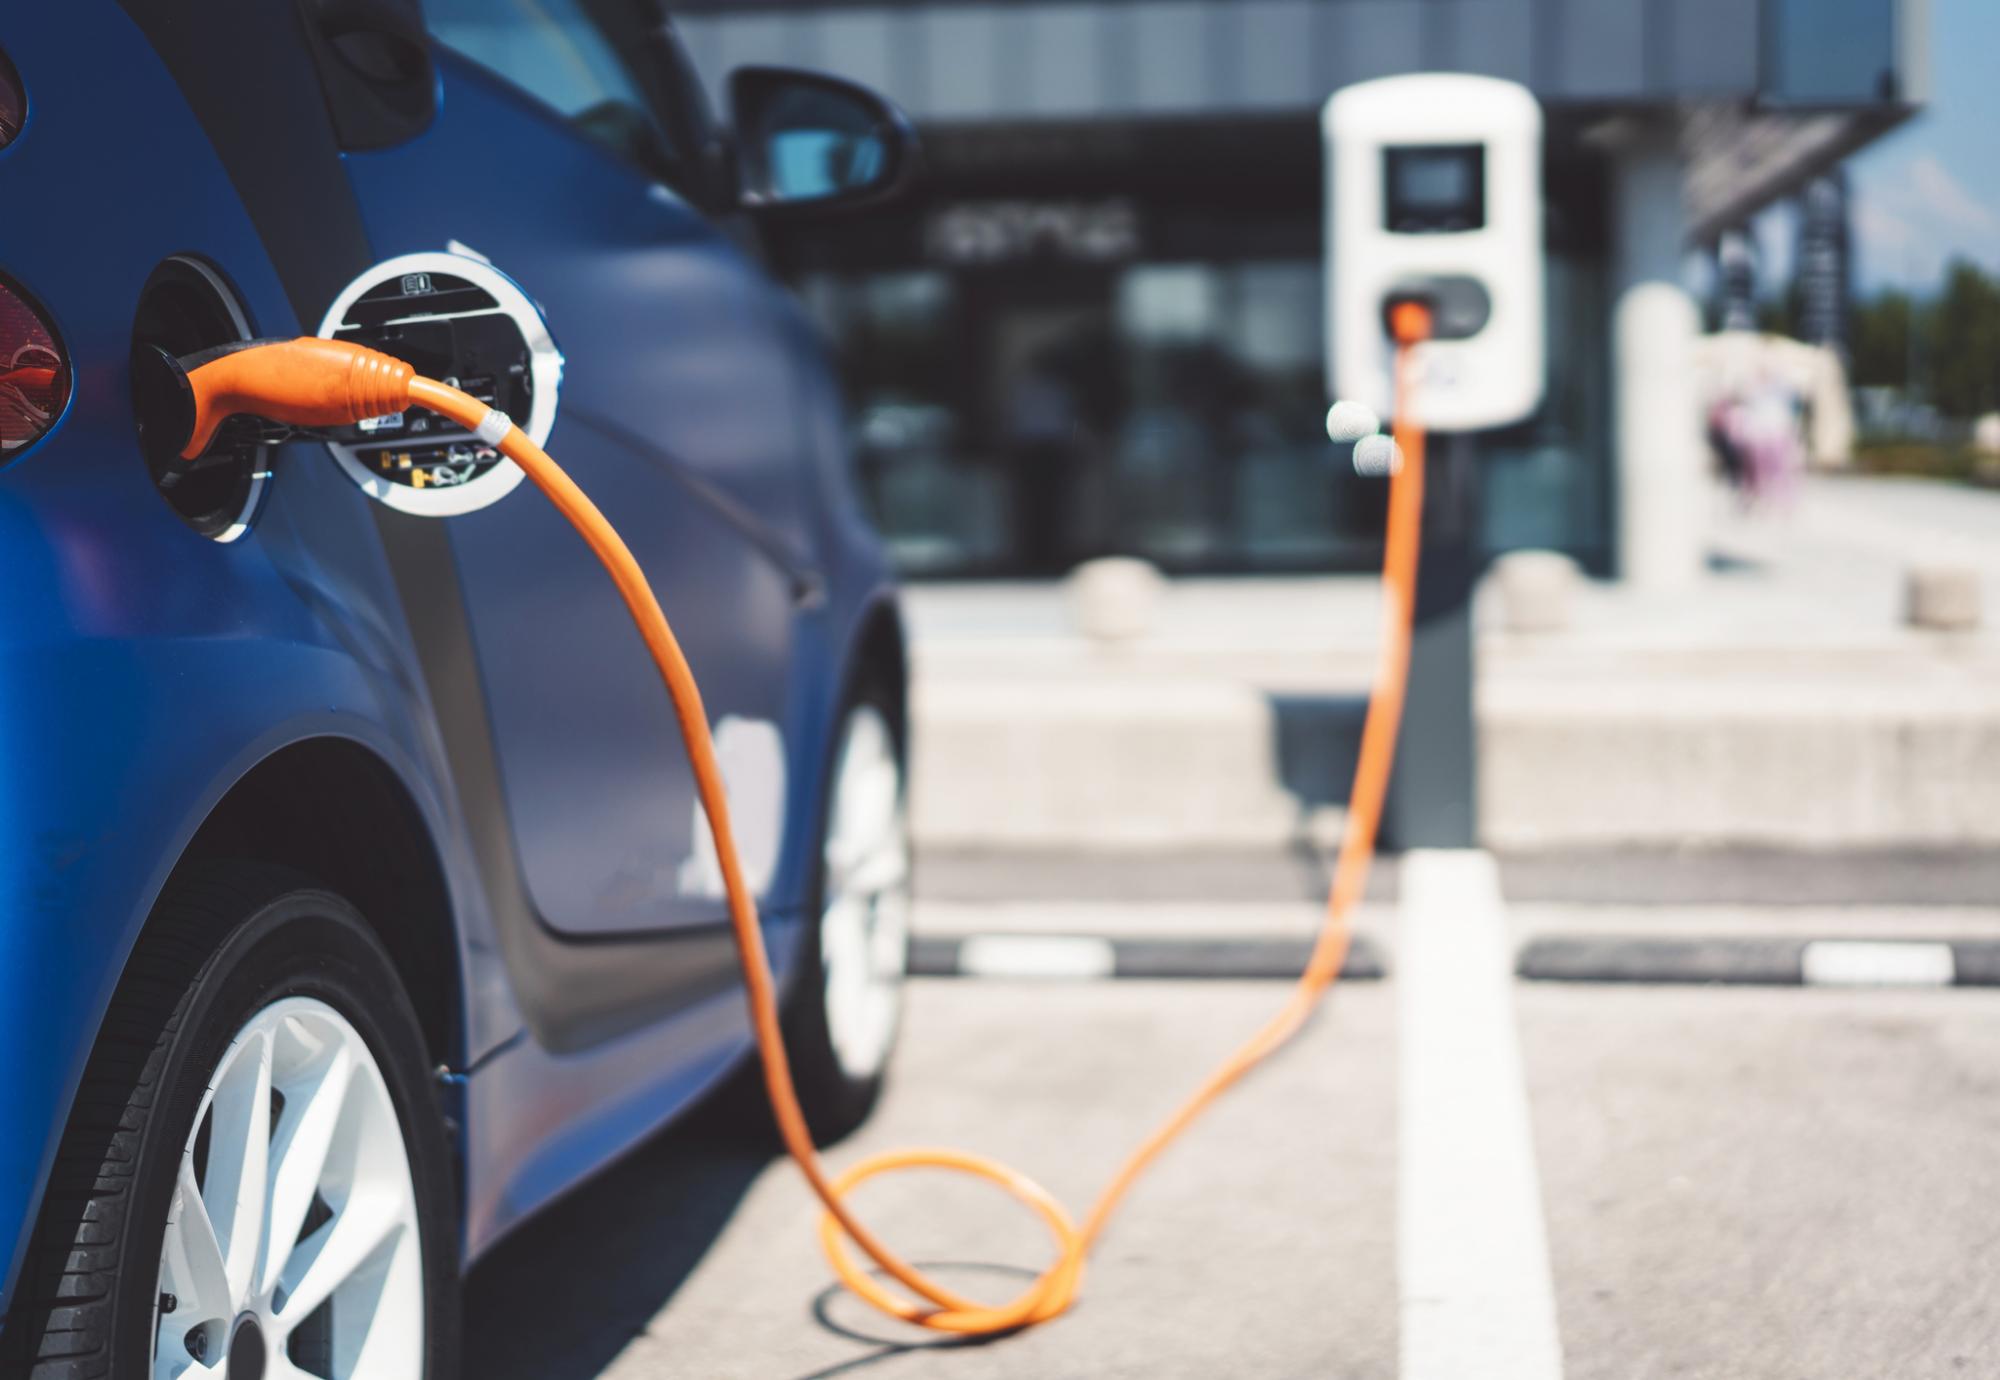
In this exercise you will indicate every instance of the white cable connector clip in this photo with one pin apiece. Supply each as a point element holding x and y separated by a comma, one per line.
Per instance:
<point>1348,421</point>
<point>494,426</point>
<point>1353,423</point>
<point>1376,456</point>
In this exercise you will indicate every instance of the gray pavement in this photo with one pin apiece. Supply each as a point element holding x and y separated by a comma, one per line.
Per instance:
<point>1262,1246</point>
<point>1782,1183</point>
<point>1735,1182</point>
<point>1821,576</point>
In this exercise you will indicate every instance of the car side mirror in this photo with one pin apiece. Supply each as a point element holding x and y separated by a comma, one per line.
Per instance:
<point>807,143</point>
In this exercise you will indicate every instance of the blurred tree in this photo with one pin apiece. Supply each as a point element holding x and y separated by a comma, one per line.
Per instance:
<point>1779,315</point>
<point>1966,342</point>
<point>1881,341</point>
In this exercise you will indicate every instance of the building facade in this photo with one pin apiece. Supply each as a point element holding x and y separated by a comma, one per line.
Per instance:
<point>1098,325</point>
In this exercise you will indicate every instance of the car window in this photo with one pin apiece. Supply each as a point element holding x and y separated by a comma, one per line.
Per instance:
<point>552,50</point>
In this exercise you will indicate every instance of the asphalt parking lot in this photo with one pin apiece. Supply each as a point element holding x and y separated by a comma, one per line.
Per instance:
<point>1734,1180</point>
<point>1769,1182</point>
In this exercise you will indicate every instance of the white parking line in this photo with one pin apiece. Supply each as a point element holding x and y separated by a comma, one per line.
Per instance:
<point>1861,963</point>
<point>1036,956</point>
<point>1476,1294</point>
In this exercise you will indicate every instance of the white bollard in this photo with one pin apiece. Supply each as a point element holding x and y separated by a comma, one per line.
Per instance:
<point>1941,598</point>
<point>1535,590</point>
<point>1115,598</point>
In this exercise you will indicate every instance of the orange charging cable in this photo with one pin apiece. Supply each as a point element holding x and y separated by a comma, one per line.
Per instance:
<point>317,386</point>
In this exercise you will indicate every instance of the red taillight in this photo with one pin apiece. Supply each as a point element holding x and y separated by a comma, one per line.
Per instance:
<point>34,374</point>
<point>13,104</point>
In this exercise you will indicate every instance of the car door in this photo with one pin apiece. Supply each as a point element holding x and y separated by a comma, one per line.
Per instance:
<point>676,414</point>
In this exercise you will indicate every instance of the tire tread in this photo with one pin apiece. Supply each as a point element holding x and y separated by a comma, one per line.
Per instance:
<point>62,1318</point>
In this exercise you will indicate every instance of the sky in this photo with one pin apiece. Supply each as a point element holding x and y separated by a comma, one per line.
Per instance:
<point>1930,191</point>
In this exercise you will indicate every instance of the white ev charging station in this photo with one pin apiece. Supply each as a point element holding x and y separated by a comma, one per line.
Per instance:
<point>1434,187</point>
<point>1434,195</point>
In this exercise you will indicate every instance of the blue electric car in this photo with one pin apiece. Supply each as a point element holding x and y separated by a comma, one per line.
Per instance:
<point>354,901</point>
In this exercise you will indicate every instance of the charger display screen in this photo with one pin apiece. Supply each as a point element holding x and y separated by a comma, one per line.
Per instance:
<point>1433,189</point>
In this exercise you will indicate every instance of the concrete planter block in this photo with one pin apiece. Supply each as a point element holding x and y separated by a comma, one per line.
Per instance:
<point>1115,599</point>
<point>1943,598</point>
<point>1536,588</point>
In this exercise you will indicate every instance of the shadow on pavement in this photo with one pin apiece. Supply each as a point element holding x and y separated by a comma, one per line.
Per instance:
<point>836,1296</point>
<point>1316,744</point>
<point>561,1297</point>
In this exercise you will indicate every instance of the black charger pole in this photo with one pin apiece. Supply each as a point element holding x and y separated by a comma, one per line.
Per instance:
<point>1433,796</point>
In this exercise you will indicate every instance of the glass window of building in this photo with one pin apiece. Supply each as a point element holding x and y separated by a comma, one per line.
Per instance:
<point>1079,341</point>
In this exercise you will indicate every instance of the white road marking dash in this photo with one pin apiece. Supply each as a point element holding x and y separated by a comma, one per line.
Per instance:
<point>1036,956</point>
<point>1865,963</point>
<point>1476,1294</point>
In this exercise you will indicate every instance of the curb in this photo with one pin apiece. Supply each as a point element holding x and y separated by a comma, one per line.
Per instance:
<point>1762,962</point>
<point>1747,961</point>
<point>1097,958</point>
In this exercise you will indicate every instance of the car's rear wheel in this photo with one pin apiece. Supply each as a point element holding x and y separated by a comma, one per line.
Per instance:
<point>846,1004</point>
<point>255,1182</point>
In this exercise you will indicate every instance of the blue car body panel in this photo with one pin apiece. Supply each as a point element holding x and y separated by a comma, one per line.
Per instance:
<point>144,670</point>
<point>673,396</point>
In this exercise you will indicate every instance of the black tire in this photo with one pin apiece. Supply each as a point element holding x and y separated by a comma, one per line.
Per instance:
<point>835,1103</point>
<point>223,943</point>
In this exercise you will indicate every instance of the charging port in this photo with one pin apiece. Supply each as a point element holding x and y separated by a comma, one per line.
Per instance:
<point>185,307</point>
<point>455,318</point>
<point>449,329</point>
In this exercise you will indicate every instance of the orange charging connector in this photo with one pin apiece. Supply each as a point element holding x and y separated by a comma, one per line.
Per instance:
<point>313,382</point>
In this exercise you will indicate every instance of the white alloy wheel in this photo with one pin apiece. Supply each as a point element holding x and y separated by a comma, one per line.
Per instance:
<point>865,927</point>
<point>292,1246</point>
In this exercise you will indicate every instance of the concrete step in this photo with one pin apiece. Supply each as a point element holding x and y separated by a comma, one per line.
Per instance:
<point>1569,759</point>
<point>1813,762</point>
<point>1017,764</point>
